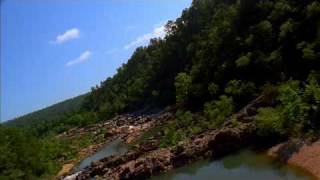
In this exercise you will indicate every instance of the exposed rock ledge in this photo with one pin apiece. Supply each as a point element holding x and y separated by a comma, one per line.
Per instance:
<point>299,153</point>
<point>145,162</point>
<point>141,165</point>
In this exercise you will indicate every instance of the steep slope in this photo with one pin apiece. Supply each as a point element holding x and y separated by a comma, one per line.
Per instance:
<point>218,50</point>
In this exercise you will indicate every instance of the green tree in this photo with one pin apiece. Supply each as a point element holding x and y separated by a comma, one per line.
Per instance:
<point>183,84</point>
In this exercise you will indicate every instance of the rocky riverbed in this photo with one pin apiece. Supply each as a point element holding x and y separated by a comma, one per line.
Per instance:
<point>148,159</point>
<point>125,127</point>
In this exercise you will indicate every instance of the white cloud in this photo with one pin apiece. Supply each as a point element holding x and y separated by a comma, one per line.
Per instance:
<point>83,57</point>
<point>70,34</point>
<point>158,32</point>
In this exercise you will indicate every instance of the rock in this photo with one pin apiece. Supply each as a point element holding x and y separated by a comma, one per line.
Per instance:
<point>65,169</point>
<point>299,153</point>
<point>72,176</point>
<point>149,146</point>
<point>149,160</point>
<point>284,151</point>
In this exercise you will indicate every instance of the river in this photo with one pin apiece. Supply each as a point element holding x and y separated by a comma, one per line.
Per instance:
<point>116,147</point>
<point>246,165</point>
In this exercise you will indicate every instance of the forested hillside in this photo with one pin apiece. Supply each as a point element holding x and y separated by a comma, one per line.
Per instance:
<point>51,113</point>
<point>224,53</point>
<point>216,58</point>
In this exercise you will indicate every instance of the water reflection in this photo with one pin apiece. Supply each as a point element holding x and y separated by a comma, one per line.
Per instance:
<point>245,165</point>
<point>115,147</point>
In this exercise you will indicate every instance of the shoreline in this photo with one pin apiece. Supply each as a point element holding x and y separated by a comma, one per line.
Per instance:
<point>299,154</point>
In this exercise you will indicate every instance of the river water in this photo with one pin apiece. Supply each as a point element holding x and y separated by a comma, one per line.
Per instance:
<point>244,165</point>
<point>116,147</point>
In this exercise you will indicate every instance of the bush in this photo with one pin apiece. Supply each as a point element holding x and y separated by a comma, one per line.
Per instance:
<point>244,60</point>
<point>23,156</point>
<point>172,135</point>
<point>184,119</point>
<point>292,104</point>
<point>213,89</point>
<point>239,88</point>
<point>269,122</point>
<point>217,111</point>
<point>183,86</point>
<point>298,108</point>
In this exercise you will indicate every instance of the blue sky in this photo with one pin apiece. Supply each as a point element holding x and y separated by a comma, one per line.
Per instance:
<point>52,50</point>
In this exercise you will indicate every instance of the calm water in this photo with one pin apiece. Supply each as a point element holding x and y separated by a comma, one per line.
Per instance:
<point>115,147</point>
<point>245,165</point>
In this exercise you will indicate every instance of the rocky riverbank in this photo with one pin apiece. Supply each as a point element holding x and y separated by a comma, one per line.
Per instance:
<point>148,159</point>
<point>142,164</point>
<point>304,154</point>
<point>126,127</point>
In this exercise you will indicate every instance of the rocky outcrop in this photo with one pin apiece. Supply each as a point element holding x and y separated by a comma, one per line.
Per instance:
<point>148,159</point>
<point>299,153</point>
<point>141,165</point>
<point>127,127</point>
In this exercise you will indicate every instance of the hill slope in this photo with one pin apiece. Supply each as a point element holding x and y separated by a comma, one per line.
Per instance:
<point>51,113</point>
<point>215,59</point>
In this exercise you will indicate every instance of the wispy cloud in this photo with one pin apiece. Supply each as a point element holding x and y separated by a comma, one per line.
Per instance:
<point>68,35</point>
<point>158,32</point>
<point>83,57</point>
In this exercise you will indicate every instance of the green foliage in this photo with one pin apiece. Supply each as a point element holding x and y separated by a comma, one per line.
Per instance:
<point>172,135</point>
<point>238,45</point>
<point>239,88</point>
<point>293,108</point>
<point>183,86</point>
<point>213,89</point>
<point>264,30</point>
<point>275,57</point>
<point>23,156</point>
<point>298,109</point>
<point>52,113</point>
<point>243,44</point>
<point>244,60</point>
<point>218,111</point>
<point>307,50</point>
<point>286,28</point>
<point>312,92</point>
<point>281,8</point>
<point>313,9</point>
<point>184,119</point>
<point>269,122</point>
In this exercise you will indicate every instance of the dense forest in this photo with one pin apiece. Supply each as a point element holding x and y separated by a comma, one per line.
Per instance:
<point>216,58</point>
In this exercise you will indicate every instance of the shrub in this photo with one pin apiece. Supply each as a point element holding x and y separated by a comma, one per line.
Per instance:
<point>217,111</point>
<point>184,119</point>
<point>239,88</point>
<point>172,135</point>
<point>244,60</point>
<point>183,86</point>
<point>298,107</point>
<point>269,121</point>
<point>293,107</point>
<point>213,89</point>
